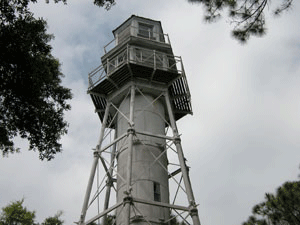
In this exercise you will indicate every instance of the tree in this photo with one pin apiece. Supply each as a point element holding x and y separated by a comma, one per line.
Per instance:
<point>174,221</point>
<point>15,213</point>
<point>54,220</point>
<point>247,16</point>
<point>281,208</point>
<point>110,220</point>
<point>32,100</point>
<point>107,4</point>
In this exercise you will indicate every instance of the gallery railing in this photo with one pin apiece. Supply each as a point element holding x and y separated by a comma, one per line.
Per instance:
<point>136,55</point>
<point>137,32</point>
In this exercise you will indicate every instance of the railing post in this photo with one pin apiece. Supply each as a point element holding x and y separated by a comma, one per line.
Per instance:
<point>116,39</point>
<point>90,80</point>
<point>154,56</point>
<point>107,64</point>
<point>185,80</point>
<point>181,65</point>
<point>127,49</point>
<point>168,39</point>
<point>130,30</point>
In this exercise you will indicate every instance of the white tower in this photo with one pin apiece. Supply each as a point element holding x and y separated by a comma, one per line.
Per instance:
<point>139,91</point>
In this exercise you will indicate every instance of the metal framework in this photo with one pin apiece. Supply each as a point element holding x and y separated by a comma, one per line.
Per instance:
<point>158,68</point>
<point>177,171</point>
<point>129,31</point>
<point>131,74</point>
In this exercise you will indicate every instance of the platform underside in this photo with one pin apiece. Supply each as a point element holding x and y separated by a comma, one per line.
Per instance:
<point>171,79</point>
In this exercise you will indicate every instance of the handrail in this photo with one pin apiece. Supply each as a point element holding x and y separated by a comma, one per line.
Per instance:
<point>134,31</point>
<point>136,55</point>
<point>93,79</point>
<point>108,44</point>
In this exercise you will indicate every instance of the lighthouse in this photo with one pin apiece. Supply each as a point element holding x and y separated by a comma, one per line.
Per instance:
<point>139,92</point>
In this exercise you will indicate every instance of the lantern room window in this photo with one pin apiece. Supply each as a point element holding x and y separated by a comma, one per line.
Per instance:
<point>145,30</point>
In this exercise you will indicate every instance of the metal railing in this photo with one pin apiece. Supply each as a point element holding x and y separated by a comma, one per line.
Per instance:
<point>136,55</point>
<point>137,32</point>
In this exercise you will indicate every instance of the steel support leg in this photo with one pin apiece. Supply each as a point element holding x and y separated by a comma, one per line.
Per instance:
<point>109,180</point>
<point>186,179</point>
<point>94,167</point>
<point>128,198</point>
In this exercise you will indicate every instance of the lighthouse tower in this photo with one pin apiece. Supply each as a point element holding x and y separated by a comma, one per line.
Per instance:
<point>139,92</point>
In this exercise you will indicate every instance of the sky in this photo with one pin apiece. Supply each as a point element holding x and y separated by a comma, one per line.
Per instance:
<point>241,141</point>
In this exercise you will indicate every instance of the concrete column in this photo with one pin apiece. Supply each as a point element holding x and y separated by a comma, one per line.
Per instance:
<point>149,179</point>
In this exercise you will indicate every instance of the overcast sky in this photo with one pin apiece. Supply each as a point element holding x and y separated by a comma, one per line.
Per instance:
<point>242,141</point>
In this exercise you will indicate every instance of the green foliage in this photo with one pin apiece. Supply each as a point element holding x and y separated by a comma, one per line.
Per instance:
<point>110,220</point>
<point>107,4</point>
<point>247,16</point>
<point>281,208</point>
<point>174,221</point>
<point>54,220</point>
<point>16,213</point>
<point>32,100</point>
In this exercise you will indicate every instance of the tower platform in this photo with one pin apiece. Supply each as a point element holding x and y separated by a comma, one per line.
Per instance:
<point>135,63</point>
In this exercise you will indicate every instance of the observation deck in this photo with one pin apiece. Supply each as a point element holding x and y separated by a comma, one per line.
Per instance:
<point>139,54</point>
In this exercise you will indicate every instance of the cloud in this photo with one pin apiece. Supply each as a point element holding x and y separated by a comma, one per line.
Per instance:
<point>242,141</point>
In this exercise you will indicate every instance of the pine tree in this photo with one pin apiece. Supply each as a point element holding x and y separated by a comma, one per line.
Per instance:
<point>283,207</point>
